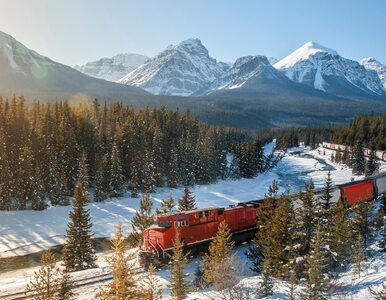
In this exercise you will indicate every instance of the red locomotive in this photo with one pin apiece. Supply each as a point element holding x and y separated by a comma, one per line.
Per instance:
<point>198,227</point>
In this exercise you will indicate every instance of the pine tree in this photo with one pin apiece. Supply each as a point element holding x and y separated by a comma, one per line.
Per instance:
<point>25,183</point>
<point>187,201</point>
<point>325,199</point>
<point>37,197</point>
<point>178,283</point>
<point>101,179</point>
<point>117,180</point>
<point>358,159</point>
<point>124,285</point>
<point>150,285</point>
<point>372,163</point>
<point>292,286</point>
<point>360,221</point>
<point>341,234</point>
<point>218,262</point>
<point>49,282</point>
<point>307,213</point>
<point>168,204</point>
<point>79,252</point>
<point>142,219</point>
<point>317,279</point>
<point>359,255</point>
<point>265,288</point>
<point>83,171</point>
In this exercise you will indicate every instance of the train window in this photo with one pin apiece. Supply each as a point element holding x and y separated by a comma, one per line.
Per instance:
<point>200,214</point>
<point>207,213</point>
<point>165,223</point>
<point>220,212</point>
<point>181,223</point>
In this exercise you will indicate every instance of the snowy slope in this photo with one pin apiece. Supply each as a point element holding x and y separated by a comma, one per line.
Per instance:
<point>22,69</point>
<point>114,68</point>
<point>179,70</point>
<point>371,63</point>
<point>324,69</point>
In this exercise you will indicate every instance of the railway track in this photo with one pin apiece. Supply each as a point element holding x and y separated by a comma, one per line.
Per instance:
<point>76,284</point>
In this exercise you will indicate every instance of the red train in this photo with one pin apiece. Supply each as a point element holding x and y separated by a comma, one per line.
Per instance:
<point>381,155</point>
<point>198,227</point>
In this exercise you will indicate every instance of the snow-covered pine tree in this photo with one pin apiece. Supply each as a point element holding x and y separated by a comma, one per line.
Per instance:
<point>358,158</point>
<point>218,263</point>
<point>49,282</point>
<point>187,201</point>
<point>37,196</point>
<point>79,251</point>
<point>117,180</point>
<point>168,204</point>
<point>83,171</point>
<point>25,184</point>
<point>124,285</point>
<point>178,283</point>
<point>372,163</point>
<point>150,285</point>
<point>317,279</point>
<point>101,179</point>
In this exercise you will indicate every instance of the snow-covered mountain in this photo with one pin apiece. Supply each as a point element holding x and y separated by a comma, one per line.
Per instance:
<point>324,69</point>
<point>114,68</point>
<point>25,71</point>
<point>244,69</point>
<point>371,63</point>
<point>181,69</point>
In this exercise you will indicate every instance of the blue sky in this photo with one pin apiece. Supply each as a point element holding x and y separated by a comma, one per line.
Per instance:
<point>77,31</point>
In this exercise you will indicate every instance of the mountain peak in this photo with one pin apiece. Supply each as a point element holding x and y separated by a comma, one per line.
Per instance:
<point>303,53</point>
<point>314,46</point>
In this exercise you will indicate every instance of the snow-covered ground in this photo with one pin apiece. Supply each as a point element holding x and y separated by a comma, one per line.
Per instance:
<point>23,232</point>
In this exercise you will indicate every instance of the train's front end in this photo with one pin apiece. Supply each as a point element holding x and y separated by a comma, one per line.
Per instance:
<point>155,241</point>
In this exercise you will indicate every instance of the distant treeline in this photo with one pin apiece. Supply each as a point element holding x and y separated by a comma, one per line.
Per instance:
<point>370,129</point>
<point>46,148</point>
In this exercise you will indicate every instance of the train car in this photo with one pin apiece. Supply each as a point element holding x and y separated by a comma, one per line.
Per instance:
<point>354,192</point>
<point>196,227</point>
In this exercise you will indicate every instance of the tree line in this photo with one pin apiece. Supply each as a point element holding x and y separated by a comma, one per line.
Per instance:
<point>370,129</point>
<point>45,148</point>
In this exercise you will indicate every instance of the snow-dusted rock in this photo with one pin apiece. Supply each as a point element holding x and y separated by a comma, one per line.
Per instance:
<point>244,69</point>
<point>371,63</point>
<point>181,69</point>
<point>326,70</point>
<point>114,68</point>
